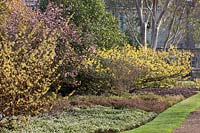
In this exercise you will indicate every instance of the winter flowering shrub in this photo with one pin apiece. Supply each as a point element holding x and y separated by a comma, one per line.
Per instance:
<point>36,50</point>
<point>94,75</point>
<point>2,7</point>
<point>133,68</point>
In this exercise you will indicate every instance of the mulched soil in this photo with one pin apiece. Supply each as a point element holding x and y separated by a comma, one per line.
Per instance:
<point>186,92</point>
<point>191,124</point>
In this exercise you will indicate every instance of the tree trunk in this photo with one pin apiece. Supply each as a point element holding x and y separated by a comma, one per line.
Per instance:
<point>155,38</point>
<point>143,31</point>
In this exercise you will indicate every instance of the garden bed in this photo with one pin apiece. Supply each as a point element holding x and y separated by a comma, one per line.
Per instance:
<point>101,114</point>
<point>186,92</point>
<point>148,102</point>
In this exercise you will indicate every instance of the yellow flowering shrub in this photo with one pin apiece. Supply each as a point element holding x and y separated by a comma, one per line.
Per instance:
<point>30,57</point>
<point>2,6</point>
<point>95,76</point>
<point>133,68</point>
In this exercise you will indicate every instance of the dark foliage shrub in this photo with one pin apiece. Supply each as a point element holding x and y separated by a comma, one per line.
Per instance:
<point>94,83</point>
<point>98,26</point>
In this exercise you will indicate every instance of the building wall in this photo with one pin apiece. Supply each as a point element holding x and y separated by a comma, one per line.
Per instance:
<point>32,3</point>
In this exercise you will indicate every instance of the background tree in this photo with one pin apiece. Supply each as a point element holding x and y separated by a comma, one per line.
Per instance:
<point>99,27</point>
<point>150,17</point>
<point>194,20</point>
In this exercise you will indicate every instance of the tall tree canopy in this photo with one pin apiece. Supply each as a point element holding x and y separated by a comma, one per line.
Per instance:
<point>99,27</point>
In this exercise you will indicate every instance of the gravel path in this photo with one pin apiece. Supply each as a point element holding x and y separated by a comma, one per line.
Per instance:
<point>191,124</point>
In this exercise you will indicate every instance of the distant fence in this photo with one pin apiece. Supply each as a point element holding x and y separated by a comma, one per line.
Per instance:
<point>195,74</point>
<point>195,61</point>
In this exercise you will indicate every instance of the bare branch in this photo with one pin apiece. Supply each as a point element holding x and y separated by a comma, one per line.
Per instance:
<point>167,3</point>
<point>139,8</point>
<point>170,27</point>
<point>131,31</point>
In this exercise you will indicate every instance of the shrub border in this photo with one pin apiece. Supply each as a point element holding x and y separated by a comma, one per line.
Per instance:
<point>170,119</point>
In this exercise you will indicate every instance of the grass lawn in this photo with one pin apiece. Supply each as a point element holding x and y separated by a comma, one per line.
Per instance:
<point>170,119</point>
<point>86,120</point>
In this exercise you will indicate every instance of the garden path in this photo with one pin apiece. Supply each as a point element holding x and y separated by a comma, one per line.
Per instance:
<point>191,124</point>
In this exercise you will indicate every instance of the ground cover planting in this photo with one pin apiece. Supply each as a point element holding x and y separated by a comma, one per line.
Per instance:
<point>86,120</point>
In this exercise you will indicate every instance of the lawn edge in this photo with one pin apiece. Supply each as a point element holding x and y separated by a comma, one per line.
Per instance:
<point>165,125</point>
